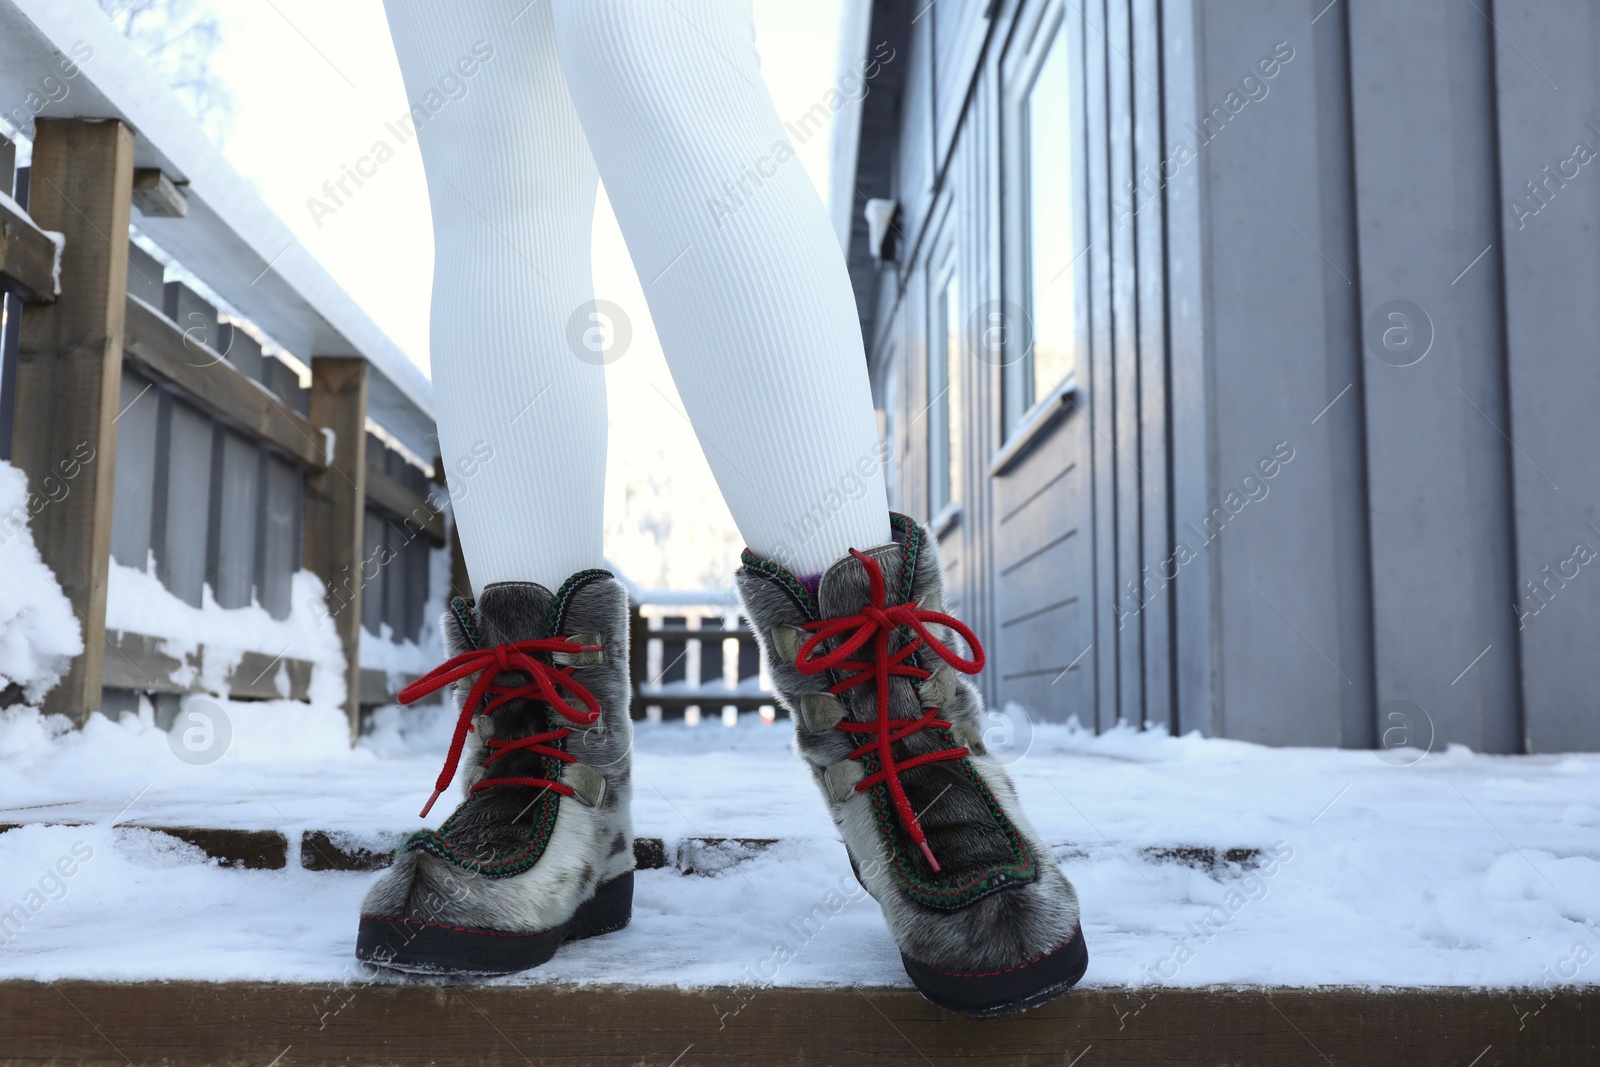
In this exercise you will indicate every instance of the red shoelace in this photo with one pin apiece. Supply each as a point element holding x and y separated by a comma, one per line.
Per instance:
<point>546,683</point>
<point>876,623</point>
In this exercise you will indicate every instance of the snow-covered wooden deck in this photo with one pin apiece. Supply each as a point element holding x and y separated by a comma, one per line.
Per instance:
<point>1198,861</point>
<point>1241,904</point>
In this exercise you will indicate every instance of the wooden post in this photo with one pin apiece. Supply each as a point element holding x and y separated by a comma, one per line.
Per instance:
<point>638,655</point>
<point>69,375</point>
<point>336,509</point>
<point>460,583</point>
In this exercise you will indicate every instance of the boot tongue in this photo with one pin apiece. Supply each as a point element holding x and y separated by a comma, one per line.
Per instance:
<point>514,611</point>
<point>498,824</point>
<point>845,590</point>
<point>847,587</point>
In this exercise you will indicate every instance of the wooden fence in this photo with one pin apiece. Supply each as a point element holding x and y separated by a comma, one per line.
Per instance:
<point>694,655</point>
<point>161,432</point>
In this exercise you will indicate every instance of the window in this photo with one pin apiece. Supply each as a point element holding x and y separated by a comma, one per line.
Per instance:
<point>944,390</point>
<point>1048,285</point>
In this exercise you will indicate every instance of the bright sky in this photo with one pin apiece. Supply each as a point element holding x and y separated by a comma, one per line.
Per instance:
<point>314,82</point>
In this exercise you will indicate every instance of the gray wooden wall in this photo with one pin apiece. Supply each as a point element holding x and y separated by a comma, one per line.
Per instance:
<point>1373,274</point>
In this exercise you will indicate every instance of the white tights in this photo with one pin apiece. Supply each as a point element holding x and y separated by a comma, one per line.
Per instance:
<point>743,275</point>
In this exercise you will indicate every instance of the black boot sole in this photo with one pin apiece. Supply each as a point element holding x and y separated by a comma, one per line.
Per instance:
<point>1003,992</point>
<point>418,947</point>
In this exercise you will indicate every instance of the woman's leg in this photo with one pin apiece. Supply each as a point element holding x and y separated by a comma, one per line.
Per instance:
<point>540,851</point>
<point>743,274</point>
<point>749,293</point>
<point>522,423</point>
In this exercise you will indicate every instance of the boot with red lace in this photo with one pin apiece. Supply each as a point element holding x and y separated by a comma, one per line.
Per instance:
<point>873,671</point>
<point>540,851</point>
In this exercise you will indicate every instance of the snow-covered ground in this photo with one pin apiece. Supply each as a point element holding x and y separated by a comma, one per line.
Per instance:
<point>1455,869</point>
<point>38,633</point>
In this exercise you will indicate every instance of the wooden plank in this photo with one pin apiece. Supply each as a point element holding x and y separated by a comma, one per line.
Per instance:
<point>638,637</point>
<point>1428,204</point>
<point>133,504</point>
<point>27,256</point>
<point>914,170</point>
<point>376,572</point>
<point>376,690</point>
<point>373,850</point>
<point>183,502</point>
<point>256,677</point>
<point>10,328</point>
<point>1552,271</point>
<point>1185,199</point>
<point>145,274</point>
<point>235,520</point>
<point>280,537</point>
<point>1131,481</point>
<point>710,702</point>
<point>960,33</point>
<point>336,506</point>
<point>176,1024</point>
<point>157,195</point>
<point>1041,504</point>
<point>254,850</point>
<point>323,850</point>
<point>1153,594</point>
<point>160,349</point>
<point>403,504</point>
<point>1264,543</point>
<point>69,373</point>
<point>197,318</point>
<point>1097,362</point>
<point>1344,377</point>
<point>418,562</point>
<point>139,662</point>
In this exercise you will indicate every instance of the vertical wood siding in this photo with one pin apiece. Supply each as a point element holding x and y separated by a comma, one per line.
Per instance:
<point>1262,515</point>
<point>1551,276</point>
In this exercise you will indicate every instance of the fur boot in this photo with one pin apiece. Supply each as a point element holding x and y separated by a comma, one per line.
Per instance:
<point>541,849</point>
<point>985,921</point>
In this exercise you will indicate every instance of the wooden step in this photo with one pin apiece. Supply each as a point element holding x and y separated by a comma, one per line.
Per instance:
<point>177,1024</point>
<point>324,850</point>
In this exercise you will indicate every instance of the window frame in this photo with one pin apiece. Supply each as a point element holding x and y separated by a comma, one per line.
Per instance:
<point>892,377</point>
<point>944,349</point>
<point>1023,416</point>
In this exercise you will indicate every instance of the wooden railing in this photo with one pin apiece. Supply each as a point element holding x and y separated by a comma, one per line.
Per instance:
<point>27,256</point>
<point>220,469</point>
<point>694,656</point>
<point>185,442</point>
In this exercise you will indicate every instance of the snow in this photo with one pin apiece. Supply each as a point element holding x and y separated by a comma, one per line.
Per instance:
<point>137,602</point>
<point>38,632</point>
<point>1382,869</point>
<point>397,659</point>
